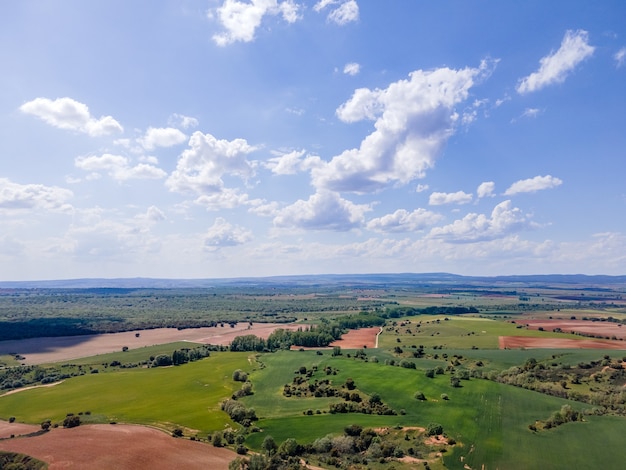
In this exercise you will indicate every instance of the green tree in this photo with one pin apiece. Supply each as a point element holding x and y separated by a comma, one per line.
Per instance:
<point>268,445</point>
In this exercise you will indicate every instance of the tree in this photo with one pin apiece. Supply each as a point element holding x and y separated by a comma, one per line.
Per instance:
<point>337,351</point>
<point>289,448</point>
<point>71,421</point>
<point>420,396</point>
<point>268,445</point>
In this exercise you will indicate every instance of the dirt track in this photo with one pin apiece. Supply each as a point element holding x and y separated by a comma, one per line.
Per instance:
<point>122,447</point>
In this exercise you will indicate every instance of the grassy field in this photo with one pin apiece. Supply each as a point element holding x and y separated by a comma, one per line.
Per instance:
<point>187,396</point>
<point>488,420</point>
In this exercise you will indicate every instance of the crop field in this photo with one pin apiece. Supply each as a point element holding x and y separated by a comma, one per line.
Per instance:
<point>439,390</point>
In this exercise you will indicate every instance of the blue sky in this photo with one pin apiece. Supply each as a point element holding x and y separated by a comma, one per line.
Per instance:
<point>198,139</point>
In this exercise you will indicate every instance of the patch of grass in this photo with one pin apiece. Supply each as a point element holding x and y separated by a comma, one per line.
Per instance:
<point>187,395</point>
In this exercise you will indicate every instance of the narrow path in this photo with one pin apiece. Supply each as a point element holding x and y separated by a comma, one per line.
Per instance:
<point>377,335</point>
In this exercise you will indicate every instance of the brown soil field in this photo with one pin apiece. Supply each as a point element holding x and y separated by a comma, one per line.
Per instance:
<point>598,329</point>
<point>122,447</point>
<point>355,339</point>
<point>516,342</point>
<point>17,429</point>
<point>44,350</point>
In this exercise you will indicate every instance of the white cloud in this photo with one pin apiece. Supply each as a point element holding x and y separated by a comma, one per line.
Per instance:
<point>242,19</point>
<point>286,164</point>
<point>118,167</point>
<point>19,197</point>
<point>404,221</point>
<point>556,67</point>
<point>225,198</point>
<point>531,112</point>
<point>352,68</point>
<point>346,13</point>
<point>504,220</point>
<point>200,167</point>
<point>161,137</point>
<point>620,57</point>
<point>324,210</point>
<point>532,185</point>
<point>66,113</point>
<point>439,199</point>
<point>413,120</point>
<point>223,234</point>
<point>421,188</point>
<point>486,189</point>
<point>154,214</point>
<point>181,121</point>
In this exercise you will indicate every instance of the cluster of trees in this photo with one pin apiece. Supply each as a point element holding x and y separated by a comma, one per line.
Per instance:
<point>239,413</point>
<point>604,378</point>
<point>357,447</point>
<point>400,312</point>
<point>314,336</point>
<point>565,415</point>
<point>181,356</point>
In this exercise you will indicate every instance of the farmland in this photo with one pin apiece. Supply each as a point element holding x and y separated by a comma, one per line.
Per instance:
<point>441,390</point>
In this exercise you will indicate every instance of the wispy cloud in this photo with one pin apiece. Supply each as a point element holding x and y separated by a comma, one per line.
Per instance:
<point>532,185</point>
<point>555,67</point>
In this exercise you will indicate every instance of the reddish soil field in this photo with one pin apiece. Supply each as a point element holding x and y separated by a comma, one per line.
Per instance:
<point>596,328</point>
<point>17,429</point>
<point>516,342</point>
<point>43,350</point>
<point>354,339</point>
<point>122,447</point>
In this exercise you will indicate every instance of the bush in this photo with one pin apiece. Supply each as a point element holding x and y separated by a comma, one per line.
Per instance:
<point>420,396</point>
<point>71,421</point>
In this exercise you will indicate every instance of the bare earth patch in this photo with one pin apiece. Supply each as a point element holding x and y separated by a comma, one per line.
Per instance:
<point>596,328</point>
<point>16,429</point>
<point>354,339</point>
<point>44,350</point>
<point>516,342</point>
<point>123,447</point>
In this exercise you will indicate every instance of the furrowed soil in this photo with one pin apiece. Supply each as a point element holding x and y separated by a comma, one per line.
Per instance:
<point>123,447</point>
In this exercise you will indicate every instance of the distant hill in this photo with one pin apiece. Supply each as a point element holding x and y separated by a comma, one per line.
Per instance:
<point>396,279</point>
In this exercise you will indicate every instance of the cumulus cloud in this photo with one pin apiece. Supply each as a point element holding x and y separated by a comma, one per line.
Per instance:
<point>439,199</point>
<point>286,164</point>
<point>118,167</point>
<point>342,12</point>
<point>555,67</point>
<point>324,210</point>
<point>352,68</point>
<point>226,198</point>
<point>161,137</point>
<point>19,197</point>
<point>620,57</point>
<point>200,168</point>
<point>533,185</point>
<point>223,234</point>
<point>504,220</point>
<point>412,120</point>
<point>242,19</point>
<point>486,189</point>
<point>66,113</point>
<point>182,122</point>
<point>404,221</point>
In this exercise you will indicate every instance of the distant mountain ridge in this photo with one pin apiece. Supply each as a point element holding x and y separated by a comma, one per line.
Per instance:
<point>315,279</point>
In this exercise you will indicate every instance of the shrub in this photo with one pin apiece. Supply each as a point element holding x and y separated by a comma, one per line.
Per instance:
<point>420,396</point>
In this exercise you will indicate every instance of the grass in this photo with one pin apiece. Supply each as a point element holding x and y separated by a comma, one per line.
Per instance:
<point>187,396</point>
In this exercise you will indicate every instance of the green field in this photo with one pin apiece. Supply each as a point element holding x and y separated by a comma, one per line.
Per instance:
<point>187,396</point>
